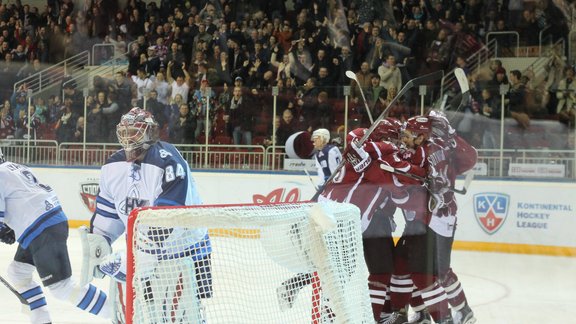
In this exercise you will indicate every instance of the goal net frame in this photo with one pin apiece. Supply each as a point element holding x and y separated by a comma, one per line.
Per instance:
<point>329,248</point>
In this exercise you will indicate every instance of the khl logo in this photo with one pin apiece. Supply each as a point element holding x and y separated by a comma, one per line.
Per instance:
<point>491,210</point>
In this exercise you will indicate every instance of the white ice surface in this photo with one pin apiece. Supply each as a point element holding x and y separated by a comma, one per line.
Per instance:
<point>501,288</point>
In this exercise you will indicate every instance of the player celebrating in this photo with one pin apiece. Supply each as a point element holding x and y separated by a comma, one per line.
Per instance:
<point>363,183</point>
<point>148,172</point>
<point>461,157</point>
<point>30,213</point>
<point>416,260</point>
<point>327,156</point>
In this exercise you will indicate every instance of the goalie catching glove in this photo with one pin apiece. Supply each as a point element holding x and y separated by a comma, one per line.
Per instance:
<point>7,235</point>
<point>114,266</point>
<point>357,156</point>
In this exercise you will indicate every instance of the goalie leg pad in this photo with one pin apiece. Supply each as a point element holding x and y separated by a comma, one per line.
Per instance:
<point>94,248</point>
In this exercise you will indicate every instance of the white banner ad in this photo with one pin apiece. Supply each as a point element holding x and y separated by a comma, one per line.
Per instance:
<point>300,165</point>
<point>481,168</point>
<point>537,170</point>
<point>518,212</point>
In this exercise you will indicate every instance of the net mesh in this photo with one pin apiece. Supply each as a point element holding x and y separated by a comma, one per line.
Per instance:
<point>248,264</point>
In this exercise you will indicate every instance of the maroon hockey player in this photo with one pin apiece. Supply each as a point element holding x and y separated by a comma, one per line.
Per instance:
<point>363,183</point>
<point>461,158</point>
<point>415,253</point>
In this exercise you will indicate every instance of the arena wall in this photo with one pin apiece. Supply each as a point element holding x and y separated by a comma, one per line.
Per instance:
<point>519,216</point>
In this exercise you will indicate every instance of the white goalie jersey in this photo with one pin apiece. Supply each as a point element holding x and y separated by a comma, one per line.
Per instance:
<point>162,178</point>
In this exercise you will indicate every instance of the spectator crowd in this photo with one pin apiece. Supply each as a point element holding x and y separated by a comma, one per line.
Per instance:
<point>211,65</point>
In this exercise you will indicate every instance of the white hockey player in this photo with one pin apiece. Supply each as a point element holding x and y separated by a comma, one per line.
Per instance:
<point>30,213</point>
<point>327,156</point>
<point>148,172</point>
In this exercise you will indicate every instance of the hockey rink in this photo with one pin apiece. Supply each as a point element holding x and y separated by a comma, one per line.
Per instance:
<point>501,288</point>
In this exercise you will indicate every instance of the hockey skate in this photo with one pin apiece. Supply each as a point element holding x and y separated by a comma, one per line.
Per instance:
<point>421,317</point>
<point>395,318</point>
<point>447,320</point>
<point>289,289</point>
<point>464,316</point>
<point>384,317</point>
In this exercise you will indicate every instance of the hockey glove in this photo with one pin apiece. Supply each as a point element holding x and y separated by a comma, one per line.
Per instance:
<point>357,157</point>
<point>114,266</point>
<point>7,235</point>
<point>438,182</point>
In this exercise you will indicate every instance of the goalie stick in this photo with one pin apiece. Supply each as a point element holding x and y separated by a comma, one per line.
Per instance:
<point>352,76</point>
<point>14,291</point>
<point>409,85</point>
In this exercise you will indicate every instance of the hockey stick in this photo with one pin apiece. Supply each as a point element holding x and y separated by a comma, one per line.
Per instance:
<point>391,169</point>
<point>14,291</point>
<point>464,87</point>
<point>467,181</point>
<point>409,85</point>
<point>352,76</point>
<point>311,181</point>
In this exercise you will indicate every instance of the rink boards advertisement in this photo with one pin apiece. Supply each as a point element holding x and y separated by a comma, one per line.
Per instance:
<point>511,216</point>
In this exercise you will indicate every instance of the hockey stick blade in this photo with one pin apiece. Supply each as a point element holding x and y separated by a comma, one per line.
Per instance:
<point>467,180</point>
<point>464,87</point>
<point>352,76</point>
<point>14,291</point>
<point>462,80</point>
<point>409,85</point>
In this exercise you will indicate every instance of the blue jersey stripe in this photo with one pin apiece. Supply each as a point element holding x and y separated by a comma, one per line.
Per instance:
<point>87,298</point>
<point>99,303</point>
<point>50,218</point>
<point>38,303</point>
<point>32,292</point>
<point>105,202</point>
<point>106,214</point>
<point>197,251</point>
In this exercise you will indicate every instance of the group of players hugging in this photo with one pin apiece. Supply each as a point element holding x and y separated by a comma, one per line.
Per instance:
<point>411,166</point>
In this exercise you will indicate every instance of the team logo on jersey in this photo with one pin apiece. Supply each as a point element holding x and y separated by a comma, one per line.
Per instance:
<point>491,210</point>
<point>88,192</point>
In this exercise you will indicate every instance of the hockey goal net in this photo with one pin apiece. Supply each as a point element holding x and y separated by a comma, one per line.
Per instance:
<point>278,263</point>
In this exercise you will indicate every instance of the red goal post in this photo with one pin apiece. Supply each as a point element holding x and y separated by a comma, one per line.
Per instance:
<point>275,263</point>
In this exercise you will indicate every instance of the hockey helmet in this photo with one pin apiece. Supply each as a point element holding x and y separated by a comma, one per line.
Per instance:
<point>418,125</point>
<point>388,128</point>
<point>322,133</point>
<point>440,126</point>
<point>137,131</point>
<point>355,134</point>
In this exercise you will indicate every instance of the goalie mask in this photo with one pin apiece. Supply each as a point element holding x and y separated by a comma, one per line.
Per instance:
<point>137,131</point>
